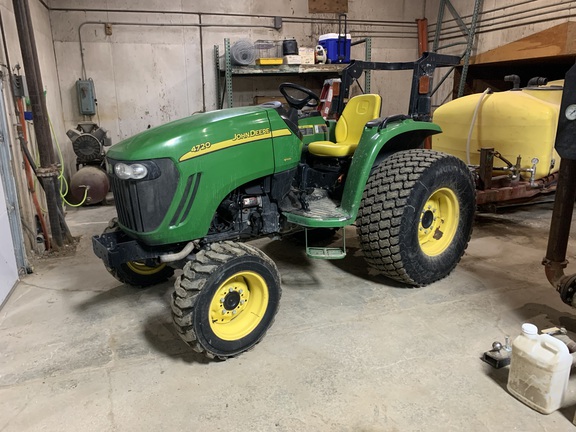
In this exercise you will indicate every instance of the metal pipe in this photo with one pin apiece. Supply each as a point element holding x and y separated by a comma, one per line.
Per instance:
<point>453,31</point>
<point>21,131</point>
<point>227,14</point>
<point>178,255</point>
<point>60,233</point>
<point>504,7</point>
<point>39,110</point>
<point>516,15</point>
<point>555,261</point>
<point>27,168</point>
<point>30,161</point>
<point>380,36</point>
<point>382,32</point>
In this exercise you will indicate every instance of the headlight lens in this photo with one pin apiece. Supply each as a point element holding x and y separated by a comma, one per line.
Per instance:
<point>122,171</point>
<point>135,171</point>
<point>139,171</point>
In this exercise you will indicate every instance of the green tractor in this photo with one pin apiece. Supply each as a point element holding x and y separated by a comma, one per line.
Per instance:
<point>189,194</point>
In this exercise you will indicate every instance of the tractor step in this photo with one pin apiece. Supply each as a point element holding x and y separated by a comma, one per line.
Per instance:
<point>325,252</point>
<point>320,213</point>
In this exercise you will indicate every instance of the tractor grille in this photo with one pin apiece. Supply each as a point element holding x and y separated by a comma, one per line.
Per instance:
<point>143,204</point>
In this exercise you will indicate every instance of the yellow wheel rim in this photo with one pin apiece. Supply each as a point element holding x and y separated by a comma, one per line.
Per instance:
<point>238,305</point>
<point>438,222</point>
<point>142,269</point>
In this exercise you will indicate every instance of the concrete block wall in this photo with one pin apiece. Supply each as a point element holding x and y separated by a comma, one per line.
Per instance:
<point>163,69</point>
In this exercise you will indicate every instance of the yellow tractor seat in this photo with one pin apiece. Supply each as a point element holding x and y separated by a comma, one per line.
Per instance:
<point>359,111</point>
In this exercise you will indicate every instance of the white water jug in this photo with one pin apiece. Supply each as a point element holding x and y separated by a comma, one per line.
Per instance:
<point>539,370</point>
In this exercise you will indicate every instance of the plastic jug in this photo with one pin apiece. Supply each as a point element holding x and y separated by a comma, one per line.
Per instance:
<point>539,370</point>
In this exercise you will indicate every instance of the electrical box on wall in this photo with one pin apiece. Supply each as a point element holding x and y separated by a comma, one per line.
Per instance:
<point>86,98</point>
<point>20,88</point>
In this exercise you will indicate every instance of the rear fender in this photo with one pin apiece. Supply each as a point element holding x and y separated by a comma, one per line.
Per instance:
<point>375,146</point>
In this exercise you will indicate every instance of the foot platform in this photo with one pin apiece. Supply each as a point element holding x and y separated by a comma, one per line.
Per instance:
<point>325,252</point>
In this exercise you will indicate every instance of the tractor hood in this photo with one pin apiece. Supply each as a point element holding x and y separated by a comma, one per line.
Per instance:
<point>194,135</point>
<point>194,164</point>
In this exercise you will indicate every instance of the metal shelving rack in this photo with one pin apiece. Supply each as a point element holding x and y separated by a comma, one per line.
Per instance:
<point>225,93</point>
<point>468,32</point>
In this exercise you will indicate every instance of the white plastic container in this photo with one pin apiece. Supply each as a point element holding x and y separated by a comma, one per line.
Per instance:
<point>539,370</point>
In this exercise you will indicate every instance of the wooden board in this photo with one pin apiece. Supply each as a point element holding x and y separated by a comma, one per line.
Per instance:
<point>556,41</point>
<point>328,6</point>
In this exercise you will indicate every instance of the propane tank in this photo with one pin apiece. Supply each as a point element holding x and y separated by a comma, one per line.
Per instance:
<point>93,178</point>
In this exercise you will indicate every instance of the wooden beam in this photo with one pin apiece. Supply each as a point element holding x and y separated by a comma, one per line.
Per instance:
<point>556,41</point>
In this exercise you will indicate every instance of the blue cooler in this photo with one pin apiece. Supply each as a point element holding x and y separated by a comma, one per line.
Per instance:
<point>337,50</point>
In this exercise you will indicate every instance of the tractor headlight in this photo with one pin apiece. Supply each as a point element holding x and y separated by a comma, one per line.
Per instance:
<point>139,171</point>
<point>130,172</point>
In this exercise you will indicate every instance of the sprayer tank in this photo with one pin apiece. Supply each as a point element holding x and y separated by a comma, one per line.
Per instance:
<point>514,123</point>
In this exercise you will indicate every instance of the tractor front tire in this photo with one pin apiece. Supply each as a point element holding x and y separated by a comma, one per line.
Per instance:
<point>416,215</point>
<point>140,274</point>
<point>137,273</point>
<point>226,299</point>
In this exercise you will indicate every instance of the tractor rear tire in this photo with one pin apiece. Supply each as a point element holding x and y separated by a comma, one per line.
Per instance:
<point>138,274</point>
<point>416,215</point>
<point>226,299</point>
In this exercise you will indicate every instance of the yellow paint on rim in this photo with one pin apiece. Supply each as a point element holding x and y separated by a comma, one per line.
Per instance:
<point>238,305</point>
<point>142,269</point>
<point>233,142</point>
<point>438,222</point>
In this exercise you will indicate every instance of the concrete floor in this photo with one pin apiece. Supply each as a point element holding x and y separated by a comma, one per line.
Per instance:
<point>349,351</point>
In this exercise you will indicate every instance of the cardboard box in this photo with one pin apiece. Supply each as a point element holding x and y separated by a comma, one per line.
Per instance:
<point>306,55</point>
<point>292,60</point>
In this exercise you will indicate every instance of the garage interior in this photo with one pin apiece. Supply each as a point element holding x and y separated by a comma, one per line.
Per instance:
<point>350,349</point>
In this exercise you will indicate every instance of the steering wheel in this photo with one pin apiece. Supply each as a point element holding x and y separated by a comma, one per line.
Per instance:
<point>310,99</point>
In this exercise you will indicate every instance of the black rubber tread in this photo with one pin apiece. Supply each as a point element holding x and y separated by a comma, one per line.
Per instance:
<point>125,275</point>
<point>390,203</point>
<point>189,286</point>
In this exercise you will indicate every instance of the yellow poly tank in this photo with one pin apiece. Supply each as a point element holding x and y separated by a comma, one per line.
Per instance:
<point>515,122</point>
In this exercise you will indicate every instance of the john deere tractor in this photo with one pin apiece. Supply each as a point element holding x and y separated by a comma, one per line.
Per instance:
<point>190,193</point>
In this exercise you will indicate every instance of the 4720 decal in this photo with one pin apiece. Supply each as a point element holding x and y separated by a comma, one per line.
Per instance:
<point>200,147</point>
